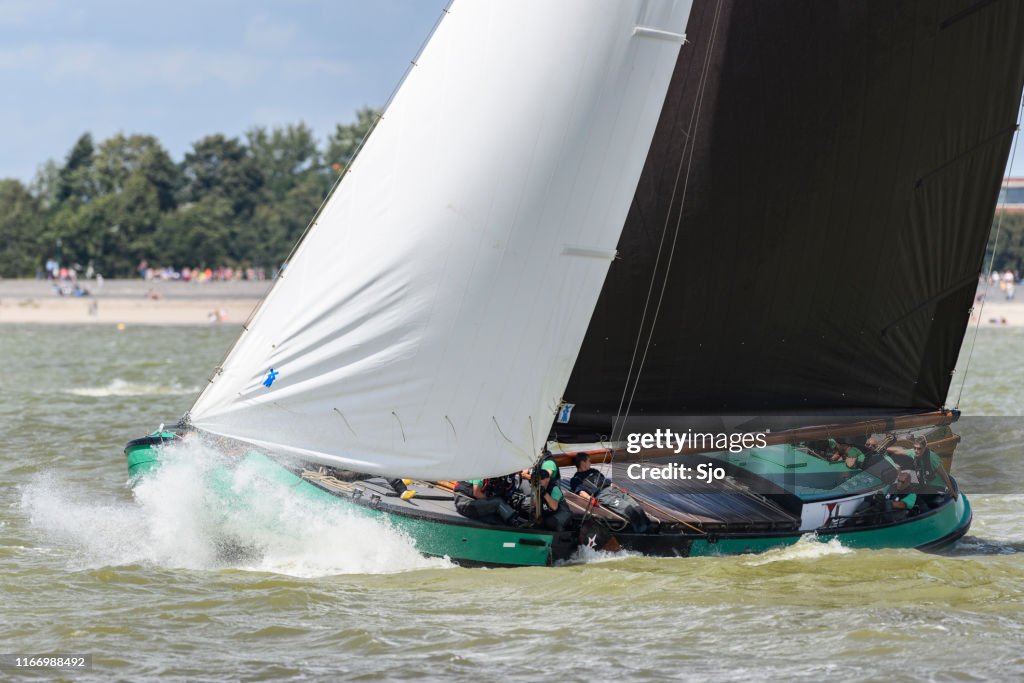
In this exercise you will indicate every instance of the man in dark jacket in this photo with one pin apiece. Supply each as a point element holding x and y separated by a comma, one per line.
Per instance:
<point>590,483</point>
<point>472,500</point>
<point>554,511</point>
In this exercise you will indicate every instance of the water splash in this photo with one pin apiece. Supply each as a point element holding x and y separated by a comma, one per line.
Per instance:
<point>807,548</point>
<point>120,387</point>
<point>195,513</point>
<point>996,528</point>
<point>587,555</point>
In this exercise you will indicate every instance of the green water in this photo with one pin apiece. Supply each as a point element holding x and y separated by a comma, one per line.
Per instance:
<point>86,568</point>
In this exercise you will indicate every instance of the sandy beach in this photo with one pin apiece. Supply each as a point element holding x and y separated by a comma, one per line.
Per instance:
<point>1000,314</point>
<point>131,302</point>
<point>161,302</point>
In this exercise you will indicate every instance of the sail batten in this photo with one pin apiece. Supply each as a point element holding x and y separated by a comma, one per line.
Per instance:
<point>648,32</point>
<point>429,322</point>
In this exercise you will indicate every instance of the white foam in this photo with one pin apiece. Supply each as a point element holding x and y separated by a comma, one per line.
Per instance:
<point>807,548</point>
<point>587,555</point>
<point>182,519</point>
<point>120,387</point>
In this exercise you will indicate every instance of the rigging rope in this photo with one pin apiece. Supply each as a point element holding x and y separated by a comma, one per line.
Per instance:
<point>686,159</point>
<point>992,259</point>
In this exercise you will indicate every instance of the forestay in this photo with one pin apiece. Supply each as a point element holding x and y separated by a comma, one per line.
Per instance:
<point>428,324</point>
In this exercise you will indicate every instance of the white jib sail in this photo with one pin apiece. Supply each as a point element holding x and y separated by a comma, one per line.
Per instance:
<point>427,325</point>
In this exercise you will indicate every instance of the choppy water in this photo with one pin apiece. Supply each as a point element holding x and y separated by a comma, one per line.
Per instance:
<point>136,582</point>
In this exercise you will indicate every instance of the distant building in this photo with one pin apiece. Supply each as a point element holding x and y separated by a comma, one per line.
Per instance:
<point>1011,196</point>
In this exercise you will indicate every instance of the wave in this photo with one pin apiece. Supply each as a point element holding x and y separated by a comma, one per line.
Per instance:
<point>193,513</point>
<point>807,548</point>
<point>120,387</point>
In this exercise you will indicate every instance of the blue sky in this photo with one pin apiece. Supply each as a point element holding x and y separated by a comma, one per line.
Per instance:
<point>186,69</point>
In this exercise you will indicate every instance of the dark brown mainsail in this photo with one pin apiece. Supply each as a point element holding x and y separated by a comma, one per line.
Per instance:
<point>816,204</point>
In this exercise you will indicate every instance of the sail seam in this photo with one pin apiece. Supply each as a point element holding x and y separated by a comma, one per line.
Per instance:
<point>963,14</point>
<point>955,287</point>
<point>995,137</point>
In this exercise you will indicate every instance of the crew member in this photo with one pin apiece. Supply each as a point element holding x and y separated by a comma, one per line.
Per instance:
<point>901,496</point>
<point>928,464</point>
<point>554,512</point>
<point>473,500</point>
<point>852,455</point>
<point>590,483</point>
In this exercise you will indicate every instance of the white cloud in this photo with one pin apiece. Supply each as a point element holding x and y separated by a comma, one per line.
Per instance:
<point>117,68</point>
<point>16,13</point>
<point>266,34</point>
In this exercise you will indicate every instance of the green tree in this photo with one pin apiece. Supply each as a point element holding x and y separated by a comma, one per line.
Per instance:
<point>122,158</point>
<point>127,224</point>
<point>295,185</point>
<point>75,180</point>
<point>228,202</point>
<point>277,226</point>
<point>343,144</point>
<point>45,183</point>
<point>198,234</point>
<point>21,220</point>
<point>284,156</point>
<point>74,235</point>
<point>222,167</point>
<point>1009,249</point>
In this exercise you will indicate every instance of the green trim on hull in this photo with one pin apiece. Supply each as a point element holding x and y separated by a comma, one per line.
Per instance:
<point>468,544</point>
<point>472,543</point>
<point>143,456</point>
<point>931,531</point>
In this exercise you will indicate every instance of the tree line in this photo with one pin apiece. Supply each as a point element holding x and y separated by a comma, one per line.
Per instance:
<point>237,202</point>
<point>230,202</point>
<point>1009,246</point>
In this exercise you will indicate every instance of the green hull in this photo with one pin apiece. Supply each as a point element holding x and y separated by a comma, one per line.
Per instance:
<point>930,532</point>
<point>468,542</point>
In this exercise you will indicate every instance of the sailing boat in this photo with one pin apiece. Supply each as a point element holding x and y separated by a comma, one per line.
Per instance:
<point>574,217</point>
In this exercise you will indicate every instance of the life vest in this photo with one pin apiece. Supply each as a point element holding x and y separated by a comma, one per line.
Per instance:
<point>925,471</point>
<point>492,488</point>
<point>498,487</point>
<point>556,493</point>
<point>591,481</point>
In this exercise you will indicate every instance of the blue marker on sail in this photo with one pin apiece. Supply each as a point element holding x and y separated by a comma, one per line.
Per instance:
<point>271,376</point>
